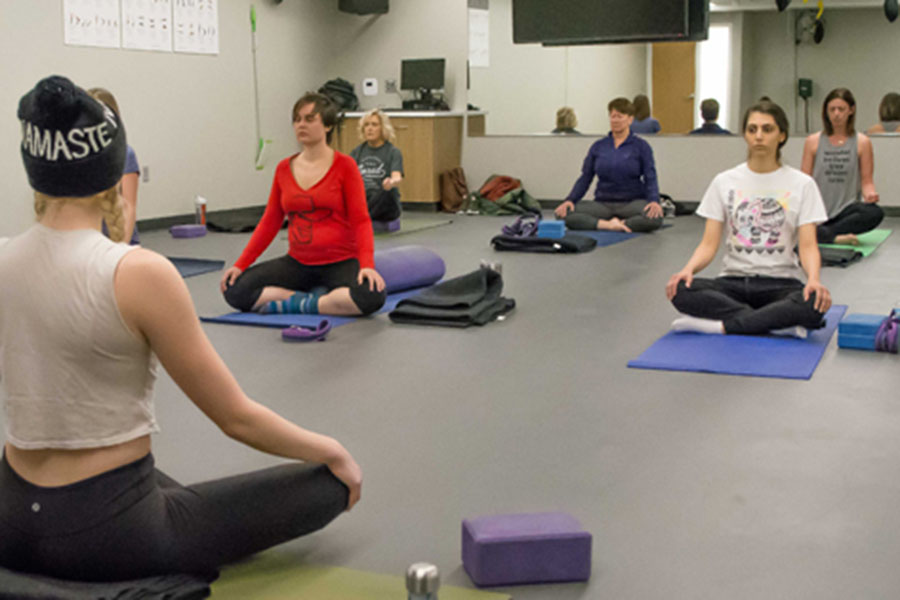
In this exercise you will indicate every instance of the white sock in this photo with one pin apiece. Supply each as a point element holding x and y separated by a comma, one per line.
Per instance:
<point>697,325</point>
<point>796,331</point>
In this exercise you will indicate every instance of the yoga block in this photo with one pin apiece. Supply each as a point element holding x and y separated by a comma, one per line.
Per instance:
<point>858,331</point>
<point>525,548</point>
<point>551,229</point>
<point>187,231</point>
<point>386,226</point>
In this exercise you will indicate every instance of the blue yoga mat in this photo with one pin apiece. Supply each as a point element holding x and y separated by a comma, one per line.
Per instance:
<point>188,267</point>
<point>754,355</point>
<point>606,238</point>
<point>281,320</point>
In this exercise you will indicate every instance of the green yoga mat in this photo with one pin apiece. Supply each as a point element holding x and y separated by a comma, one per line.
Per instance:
<point>271,576</point>
<point>868,242</point>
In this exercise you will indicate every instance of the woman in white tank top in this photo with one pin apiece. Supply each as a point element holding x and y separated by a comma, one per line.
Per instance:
<point>80,331</point>
<point>842,162</point>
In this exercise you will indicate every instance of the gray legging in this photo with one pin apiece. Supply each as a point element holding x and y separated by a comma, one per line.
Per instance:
<point>588,212</point>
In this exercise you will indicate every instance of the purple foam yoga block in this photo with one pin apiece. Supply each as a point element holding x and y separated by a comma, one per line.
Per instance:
<point>386,226</point>
<point>187,231</point>
<point>525,548</point>
<point>408,267</point>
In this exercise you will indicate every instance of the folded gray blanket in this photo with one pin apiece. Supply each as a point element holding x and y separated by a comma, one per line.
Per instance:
<point>472,299</point>
<point>25,586</point>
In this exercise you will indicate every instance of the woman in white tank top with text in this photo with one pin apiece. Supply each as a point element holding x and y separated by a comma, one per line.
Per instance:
<point>83,321</point>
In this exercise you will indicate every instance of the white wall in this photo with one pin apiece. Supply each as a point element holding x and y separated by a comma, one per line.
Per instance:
<point>525,84</point>
<point>373,46</point>
<point>189,117</point>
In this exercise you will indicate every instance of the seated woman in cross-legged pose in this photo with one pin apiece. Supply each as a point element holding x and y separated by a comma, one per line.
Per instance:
<point>842,162</point>
<point>329,267</point>
<point>626,197</point>
<point>764,209</point>
<point>380,164</point>
<point>83,321</point>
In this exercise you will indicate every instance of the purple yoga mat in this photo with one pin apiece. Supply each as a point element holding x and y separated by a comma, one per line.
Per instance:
<point>409,267</point>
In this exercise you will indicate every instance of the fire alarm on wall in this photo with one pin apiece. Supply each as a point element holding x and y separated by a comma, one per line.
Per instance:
<point>370,86</point>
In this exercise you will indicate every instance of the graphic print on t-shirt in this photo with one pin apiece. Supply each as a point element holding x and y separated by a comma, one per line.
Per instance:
<point>300,222</point>
<point>757,221</point>
<point>373,171</point>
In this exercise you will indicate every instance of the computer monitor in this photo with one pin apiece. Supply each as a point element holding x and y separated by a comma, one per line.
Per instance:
<point>422,73</point>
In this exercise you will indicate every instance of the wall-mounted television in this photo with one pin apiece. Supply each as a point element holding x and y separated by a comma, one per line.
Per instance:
<point>572,22</point>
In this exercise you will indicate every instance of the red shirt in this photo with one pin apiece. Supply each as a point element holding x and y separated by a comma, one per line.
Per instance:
<point>328,223</point>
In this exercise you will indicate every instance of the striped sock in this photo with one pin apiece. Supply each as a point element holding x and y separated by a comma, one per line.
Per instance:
<point>306,303</point>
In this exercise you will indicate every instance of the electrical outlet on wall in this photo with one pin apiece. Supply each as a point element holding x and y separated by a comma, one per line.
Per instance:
<point>145,173</point>
<point>390,86</point>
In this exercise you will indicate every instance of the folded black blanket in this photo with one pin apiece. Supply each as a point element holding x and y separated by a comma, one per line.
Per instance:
<point>839,257</point>
<point>571,243</point>
<point>472,299</point>
<point>24,586</point>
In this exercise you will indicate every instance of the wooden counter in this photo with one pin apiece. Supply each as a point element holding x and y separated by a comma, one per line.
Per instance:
<point>431,142</point>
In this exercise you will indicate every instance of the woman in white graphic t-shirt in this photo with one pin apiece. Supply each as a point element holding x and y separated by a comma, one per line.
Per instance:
<point>764,210</point>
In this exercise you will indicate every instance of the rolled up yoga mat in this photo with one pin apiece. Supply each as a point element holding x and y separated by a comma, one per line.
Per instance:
<point>409,267</point>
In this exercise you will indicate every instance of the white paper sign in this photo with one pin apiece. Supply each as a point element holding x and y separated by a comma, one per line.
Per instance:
<point>196,26</point>
<point>147,24</point>
<point>479,38</point>
<point>92,23</point>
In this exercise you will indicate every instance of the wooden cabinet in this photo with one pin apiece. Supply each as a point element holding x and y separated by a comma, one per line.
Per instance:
<point>430,143</point>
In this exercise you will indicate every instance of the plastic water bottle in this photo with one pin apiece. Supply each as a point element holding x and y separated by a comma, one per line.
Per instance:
<point>200,210</point>
<point>422,581</point>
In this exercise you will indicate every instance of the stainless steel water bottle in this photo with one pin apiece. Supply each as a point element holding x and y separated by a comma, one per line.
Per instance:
<point>422,581</point>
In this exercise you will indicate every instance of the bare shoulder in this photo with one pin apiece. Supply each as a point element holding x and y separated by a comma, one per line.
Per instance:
<point>812,141</point>
<point>141,263</point>
<point>863,141</point>
<point>144,274</point>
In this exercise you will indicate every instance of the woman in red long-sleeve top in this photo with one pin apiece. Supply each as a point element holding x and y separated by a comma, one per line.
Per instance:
<point>329,267</point>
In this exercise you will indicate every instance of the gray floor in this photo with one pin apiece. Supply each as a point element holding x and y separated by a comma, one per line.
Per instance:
<point>693,486</point>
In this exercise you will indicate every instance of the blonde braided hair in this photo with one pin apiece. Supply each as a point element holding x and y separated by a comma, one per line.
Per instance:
<point>107,201</point>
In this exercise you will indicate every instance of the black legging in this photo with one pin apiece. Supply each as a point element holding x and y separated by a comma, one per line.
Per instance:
<point>287,272</point>
<point>856,218</point>
<point>384,205</point>
<point>749,305</point>
<point>588,212</point>
<point>135,522</point>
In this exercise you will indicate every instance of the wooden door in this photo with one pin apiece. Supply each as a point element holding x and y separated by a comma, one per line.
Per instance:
<point>673,85</point>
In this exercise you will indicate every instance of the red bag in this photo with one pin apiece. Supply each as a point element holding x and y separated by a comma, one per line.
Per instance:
<point>498,186</point>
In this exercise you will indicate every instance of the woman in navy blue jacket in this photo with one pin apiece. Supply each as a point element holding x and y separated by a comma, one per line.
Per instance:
<point>626,197</point>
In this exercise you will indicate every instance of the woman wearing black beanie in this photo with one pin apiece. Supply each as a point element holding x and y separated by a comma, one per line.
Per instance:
<point>83,321</point>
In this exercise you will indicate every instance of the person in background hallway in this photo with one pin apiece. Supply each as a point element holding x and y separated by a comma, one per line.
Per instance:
<point>566,121</point>
<point>709,110</point>
<point>888,115</point>
<point>643,122</point>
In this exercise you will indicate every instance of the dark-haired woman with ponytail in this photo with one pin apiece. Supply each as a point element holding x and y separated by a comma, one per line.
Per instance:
<point>763,210</point>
